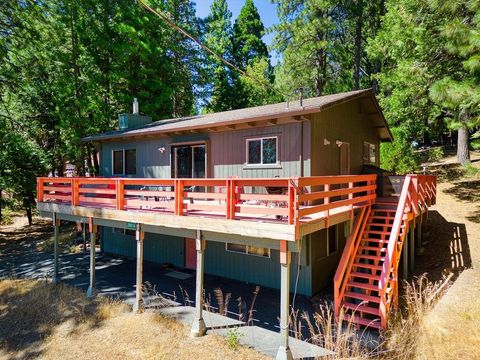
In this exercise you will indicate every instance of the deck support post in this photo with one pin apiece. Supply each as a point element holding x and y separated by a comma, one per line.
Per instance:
<point>198,326</point>
<point>404,255</point>
<point>139,236</point>
<point>411,247</point>
<point>92,228</point>
<point>419,234</point>
<point>56,233</point>
<point>284,352</point>
<point>84,237</point>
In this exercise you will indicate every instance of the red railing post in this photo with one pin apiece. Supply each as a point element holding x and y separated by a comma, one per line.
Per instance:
<point>120,194</point>
<point>231,199</point>
<point>326,200</point>
<point>75,192</point>
<point>292,203</point>
<point>179,189</point>
<point>40,189</point>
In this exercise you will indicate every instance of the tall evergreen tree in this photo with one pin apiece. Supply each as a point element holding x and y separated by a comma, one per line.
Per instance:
<point>251,55</point>
<point>458,93</point>
<point>305,39</point>
<point>218,37</point>
<point>417,49</point>
<point>248,30</point>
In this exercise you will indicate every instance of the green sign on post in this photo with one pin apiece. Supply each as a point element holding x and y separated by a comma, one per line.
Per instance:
<point>131,226</point>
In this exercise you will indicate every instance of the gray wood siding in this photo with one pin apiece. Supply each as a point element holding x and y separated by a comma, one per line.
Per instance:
<point>157,248</point>
<point>253,269</point>
<point>344,123</point>
<point>228,152</point>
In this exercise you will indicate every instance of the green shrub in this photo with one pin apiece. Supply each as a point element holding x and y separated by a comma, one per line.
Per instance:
<point>435,154</point>
<point>398,156</point>
<point>233,338</point>
<point>470,170</point>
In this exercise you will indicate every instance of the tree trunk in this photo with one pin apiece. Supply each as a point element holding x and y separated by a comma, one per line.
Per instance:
<point>463,155</point>
<point>358,47</point>
<point>1,199</point>
<point>95,161</point>
<point>28,210</point>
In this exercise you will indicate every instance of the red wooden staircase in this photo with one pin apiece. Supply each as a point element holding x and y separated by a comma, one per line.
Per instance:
<point>366,281</point>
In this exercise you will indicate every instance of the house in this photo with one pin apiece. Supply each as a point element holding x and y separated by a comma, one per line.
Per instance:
<point>236,193</point>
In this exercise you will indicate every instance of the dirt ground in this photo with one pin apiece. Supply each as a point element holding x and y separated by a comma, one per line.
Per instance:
<point>452,329</point>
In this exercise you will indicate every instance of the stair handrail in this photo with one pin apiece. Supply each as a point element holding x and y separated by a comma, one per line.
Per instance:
<point>392,247</point>
<point>348,256</point>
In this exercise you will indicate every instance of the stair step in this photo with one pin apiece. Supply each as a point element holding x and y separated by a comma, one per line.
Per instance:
<point>363,286</point>
<point>379,224</point>
<point>377,232</point>
<point>380,241</point>
<point>362,308</point>
<point>368,266</point>
<point>363,297</point>
<point>371,257</point>
<point>365,322</point>
<point>365,275</point>
<point>373,248</point>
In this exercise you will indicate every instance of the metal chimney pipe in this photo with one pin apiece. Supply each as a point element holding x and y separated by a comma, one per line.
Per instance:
<point>135,106</point>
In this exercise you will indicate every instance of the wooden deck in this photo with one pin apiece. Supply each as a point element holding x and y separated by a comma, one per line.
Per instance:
<point>278,208</point>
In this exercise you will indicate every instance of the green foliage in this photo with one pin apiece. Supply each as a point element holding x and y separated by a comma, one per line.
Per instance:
<point>248,30</point>
<point>470,170</point>
<point>322,41</point>
<point>435,154</point>
<point>233,338</point>
<point>428,51</point>
<point>398,156</point>
<point>218,37</point>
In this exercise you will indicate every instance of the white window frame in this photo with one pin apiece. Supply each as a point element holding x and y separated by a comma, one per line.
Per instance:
<point>247,247</point>
<point>261,138</point>
<point>123,156</point>
<point>367,160</point>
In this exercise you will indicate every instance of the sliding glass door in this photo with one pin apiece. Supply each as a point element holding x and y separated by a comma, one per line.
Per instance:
<point>188,161</point>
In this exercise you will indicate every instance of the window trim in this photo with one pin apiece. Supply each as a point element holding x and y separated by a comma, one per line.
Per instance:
<point>262,164</point>
<point>121,231</point>
<point>246,250</point>
<point>368,159</point>
<point>123,164</point>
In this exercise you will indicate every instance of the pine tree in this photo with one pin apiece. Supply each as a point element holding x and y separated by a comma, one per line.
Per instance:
<point>304,37</point>
<point>250,54</point>
<point>248,30</point>
<point>458,93</point>
<point>218,37</point>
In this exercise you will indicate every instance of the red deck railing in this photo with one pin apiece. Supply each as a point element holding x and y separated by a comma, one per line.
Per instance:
<point>282,199</point>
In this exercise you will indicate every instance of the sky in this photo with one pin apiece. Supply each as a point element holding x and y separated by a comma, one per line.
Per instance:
<point>266,9</point>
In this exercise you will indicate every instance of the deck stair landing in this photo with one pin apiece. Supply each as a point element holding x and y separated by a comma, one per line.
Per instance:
<point>366,283</point>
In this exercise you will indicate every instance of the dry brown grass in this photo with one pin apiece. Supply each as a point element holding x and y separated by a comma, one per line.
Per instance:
<point>40,320</point>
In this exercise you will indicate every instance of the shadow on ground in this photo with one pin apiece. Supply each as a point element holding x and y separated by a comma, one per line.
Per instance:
<point>468,191</point>
<point>445,248</point>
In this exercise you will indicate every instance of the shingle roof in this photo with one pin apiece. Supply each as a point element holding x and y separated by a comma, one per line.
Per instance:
<point>264,112</point>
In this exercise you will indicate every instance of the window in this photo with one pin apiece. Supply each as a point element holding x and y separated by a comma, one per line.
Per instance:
<point>124,162</point>
<point>262,151</point>
<point>247,249</point>
<point>332,240</point>
<point>126,232</point>
<point>369,153</point>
